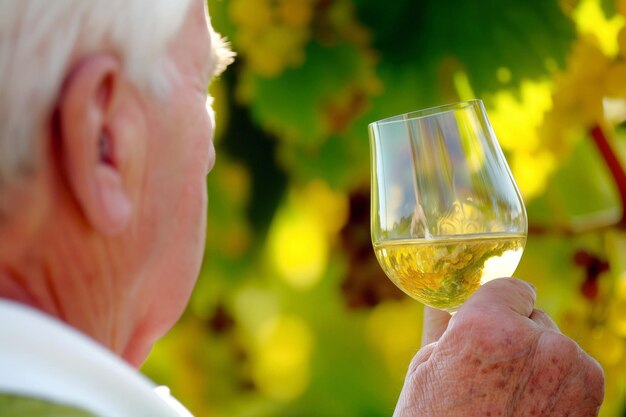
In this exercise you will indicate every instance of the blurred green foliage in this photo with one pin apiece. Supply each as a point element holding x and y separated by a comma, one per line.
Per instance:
<point>292,315</point>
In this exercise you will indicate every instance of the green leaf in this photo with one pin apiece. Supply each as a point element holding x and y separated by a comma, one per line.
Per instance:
<point>406,88</point>
<point>582,187</point>
<point>292,106</point>
<point>580,195</point>
<point>329,162</point>
<point>609,7</point>
<point>484,35</point>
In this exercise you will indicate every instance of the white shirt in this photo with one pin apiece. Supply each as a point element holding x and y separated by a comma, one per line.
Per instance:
<point>45,358</point>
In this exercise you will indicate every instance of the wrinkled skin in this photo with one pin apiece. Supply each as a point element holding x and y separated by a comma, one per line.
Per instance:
<point>498,356</point>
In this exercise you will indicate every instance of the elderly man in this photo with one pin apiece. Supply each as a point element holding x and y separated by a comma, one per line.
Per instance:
<point>105,142</point>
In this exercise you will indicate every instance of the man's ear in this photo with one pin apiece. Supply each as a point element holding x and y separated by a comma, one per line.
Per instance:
<point>90,146</point>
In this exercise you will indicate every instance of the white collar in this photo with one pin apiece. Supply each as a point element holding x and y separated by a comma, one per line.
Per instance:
<point>43,357</point>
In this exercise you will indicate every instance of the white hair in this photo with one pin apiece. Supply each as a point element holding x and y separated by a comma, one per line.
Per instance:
<point>40,38</point>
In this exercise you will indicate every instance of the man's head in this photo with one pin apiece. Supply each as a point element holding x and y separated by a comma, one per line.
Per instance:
<point>105,140</point>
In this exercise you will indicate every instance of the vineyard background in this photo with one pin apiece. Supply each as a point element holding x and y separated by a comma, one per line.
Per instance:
<point>292,315</point>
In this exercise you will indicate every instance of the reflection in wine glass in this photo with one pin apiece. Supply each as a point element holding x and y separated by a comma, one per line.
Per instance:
<point>446,213</point>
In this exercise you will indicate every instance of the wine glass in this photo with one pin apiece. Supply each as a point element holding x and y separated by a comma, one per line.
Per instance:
<point>447,215</point>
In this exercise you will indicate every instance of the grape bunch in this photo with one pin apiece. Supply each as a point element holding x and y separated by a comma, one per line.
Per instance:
<point>272,34</point>
<point>579,92</point>
<point>365,285</point>
<point>594,267</point>
<point>596,319</point>
<point>586,93</point>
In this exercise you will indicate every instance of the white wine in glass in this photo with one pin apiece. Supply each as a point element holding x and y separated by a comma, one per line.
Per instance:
<point>447,216</point>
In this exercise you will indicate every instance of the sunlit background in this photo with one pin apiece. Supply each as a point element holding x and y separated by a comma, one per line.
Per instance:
<point>292,315</point>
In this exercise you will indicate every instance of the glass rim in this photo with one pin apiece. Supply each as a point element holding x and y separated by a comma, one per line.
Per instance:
<point>429,111</point>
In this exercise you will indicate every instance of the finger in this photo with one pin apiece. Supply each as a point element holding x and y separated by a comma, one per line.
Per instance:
<point>420,357</point>
<point>435,323</point>
<point>503,295</point>
<point>594,379</point>
<point>544,320</point>
<point>407,404</point>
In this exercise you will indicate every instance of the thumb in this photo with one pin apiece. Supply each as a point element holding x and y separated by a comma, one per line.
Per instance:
<point>435,323</point>
<point>502,296</point>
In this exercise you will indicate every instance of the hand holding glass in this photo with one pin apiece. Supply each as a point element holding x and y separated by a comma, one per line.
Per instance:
<point>447,216</point>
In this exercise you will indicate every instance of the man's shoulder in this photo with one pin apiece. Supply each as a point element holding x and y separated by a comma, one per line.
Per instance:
<point>43,358</point>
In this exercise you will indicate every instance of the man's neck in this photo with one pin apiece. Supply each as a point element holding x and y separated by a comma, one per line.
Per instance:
<point>64,288</point>
<point>30,288</point>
